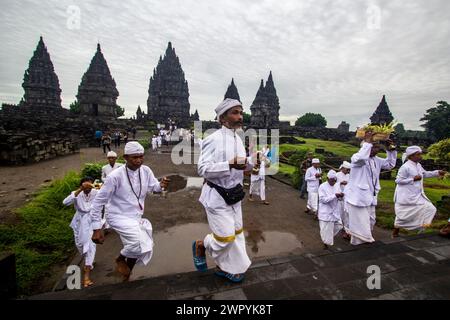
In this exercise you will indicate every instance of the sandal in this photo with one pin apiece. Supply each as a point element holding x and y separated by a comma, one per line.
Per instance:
<point>199,262</point>
<point>235,278</point>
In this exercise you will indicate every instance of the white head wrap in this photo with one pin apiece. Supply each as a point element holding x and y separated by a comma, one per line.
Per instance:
<point>133,147</point>
<point>411,150</point>
<point>226,105</point>
<point>346,165</point>
<point>331,174</point>
<point>403,157</point>
<point>111,154</point>
<point>315,160</point>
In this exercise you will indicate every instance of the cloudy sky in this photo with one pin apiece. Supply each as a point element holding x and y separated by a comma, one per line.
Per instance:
<point>334,57</point>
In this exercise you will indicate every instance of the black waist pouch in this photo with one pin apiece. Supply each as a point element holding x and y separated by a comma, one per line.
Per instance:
<point>231,196</point>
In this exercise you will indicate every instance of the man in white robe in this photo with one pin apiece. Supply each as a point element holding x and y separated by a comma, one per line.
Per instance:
<point>330,195</point>
<point>125,190</point>
<point>363,187</point>
<point>258,180</point>
<point>154,143</point>
<point>112,165</point>
<point>106,170</point>
<point>81,224</point>
<point>313,177</point>
<point>413,210</point>
<point>222,163</point>
<point>342,180</point>
<point>159,141</point>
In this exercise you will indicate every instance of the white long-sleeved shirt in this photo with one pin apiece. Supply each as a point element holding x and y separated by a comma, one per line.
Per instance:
<point>364,182</point>
<point>341,177</point>
<point>408,191</point>
<point>311,180</point>
<point>82,202</point>
<point>213,164</point>
<point>328,202</point>
<point>118,193</point>
<point>107,169</point>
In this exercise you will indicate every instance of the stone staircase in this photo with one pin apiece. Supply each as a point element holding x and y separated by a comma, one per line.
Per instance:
<point>414,267</point>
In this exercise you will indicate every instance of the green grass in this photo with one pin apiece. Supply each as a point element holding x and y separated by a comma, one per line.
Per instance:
<point>42,237</point>
<point>286,169</point>
<point>340,149</point>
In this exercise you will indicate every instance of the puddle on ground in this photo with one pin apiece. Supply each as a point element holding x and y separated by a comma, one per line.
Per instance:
<point>173,248</point>
<point>179,182</point>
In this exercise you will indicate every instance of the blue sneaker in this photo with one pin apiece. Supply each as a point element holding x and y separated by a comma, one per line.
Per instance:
<point>199,262</point>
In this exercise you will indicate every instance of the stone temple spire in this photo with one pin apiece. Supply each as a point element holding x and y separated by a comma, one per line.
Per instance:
<point>97,92</point>
<point>265,108</point>
<point>260,97</point>
<point>382,114</point>
<point>232,92</point>
<point>168,93</point>
<point>40,81</point>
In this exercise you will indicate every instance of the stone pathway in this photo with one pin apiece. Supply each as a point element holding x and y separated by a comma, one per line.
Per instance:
<point>415,267</point>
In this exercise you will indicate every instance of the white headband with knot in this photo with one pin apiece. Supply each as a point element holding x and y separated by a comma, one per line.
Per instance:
<point>331,174</point>
<point>226,105</point>
<point>346,165</point>
<point>411,150</point>
<point>133,147</point>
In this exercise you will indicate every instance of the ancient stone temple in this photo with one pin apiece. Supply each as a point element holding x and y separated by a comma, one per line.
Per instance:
<point>168,92</point>
<point>266,106</point>
<point>382,114</point>
<point>195,116</point>
<point>40,82</point>
<point>140,115</point>
<point>97,92</point>
<point>343,127</point>
<point>232,92</point>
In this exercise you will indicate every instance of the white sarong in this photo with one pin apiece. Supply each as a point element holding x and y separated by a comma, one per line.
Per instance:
<point>343,213</point>
<point>361,221</point>
<point>226,243</point>
<point>258,187</point>
<point>82,231</point>
<point>313,201</point>
<point>136,236</point>
<point>328,230</point>
<point>414,217</point>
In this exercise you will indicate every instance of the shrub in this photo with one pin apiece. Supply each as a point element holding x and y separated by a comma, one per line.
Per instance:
<point>440,150</point>
<point>93,170</point>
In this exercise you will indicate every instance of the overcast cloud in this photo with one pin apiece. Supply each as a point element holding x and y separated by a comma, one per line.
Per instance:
<point>334,57</point>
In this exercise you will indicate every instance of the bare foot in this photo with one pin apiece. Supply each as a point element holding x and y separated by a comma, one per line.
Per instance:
<point>395,232</point>
<point>265,202</point>
<point>123,268</point>
<point>200,248</point>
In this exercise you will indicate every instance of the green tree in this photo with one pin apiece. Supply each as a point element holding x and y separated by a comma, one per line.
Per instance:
<point>246,118</point>
<point>311,120</point>
<point>75,107</point>
<point>437,121</point>
<point>400,129</point>
<point>120,111</point>
<point>440,150</point>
